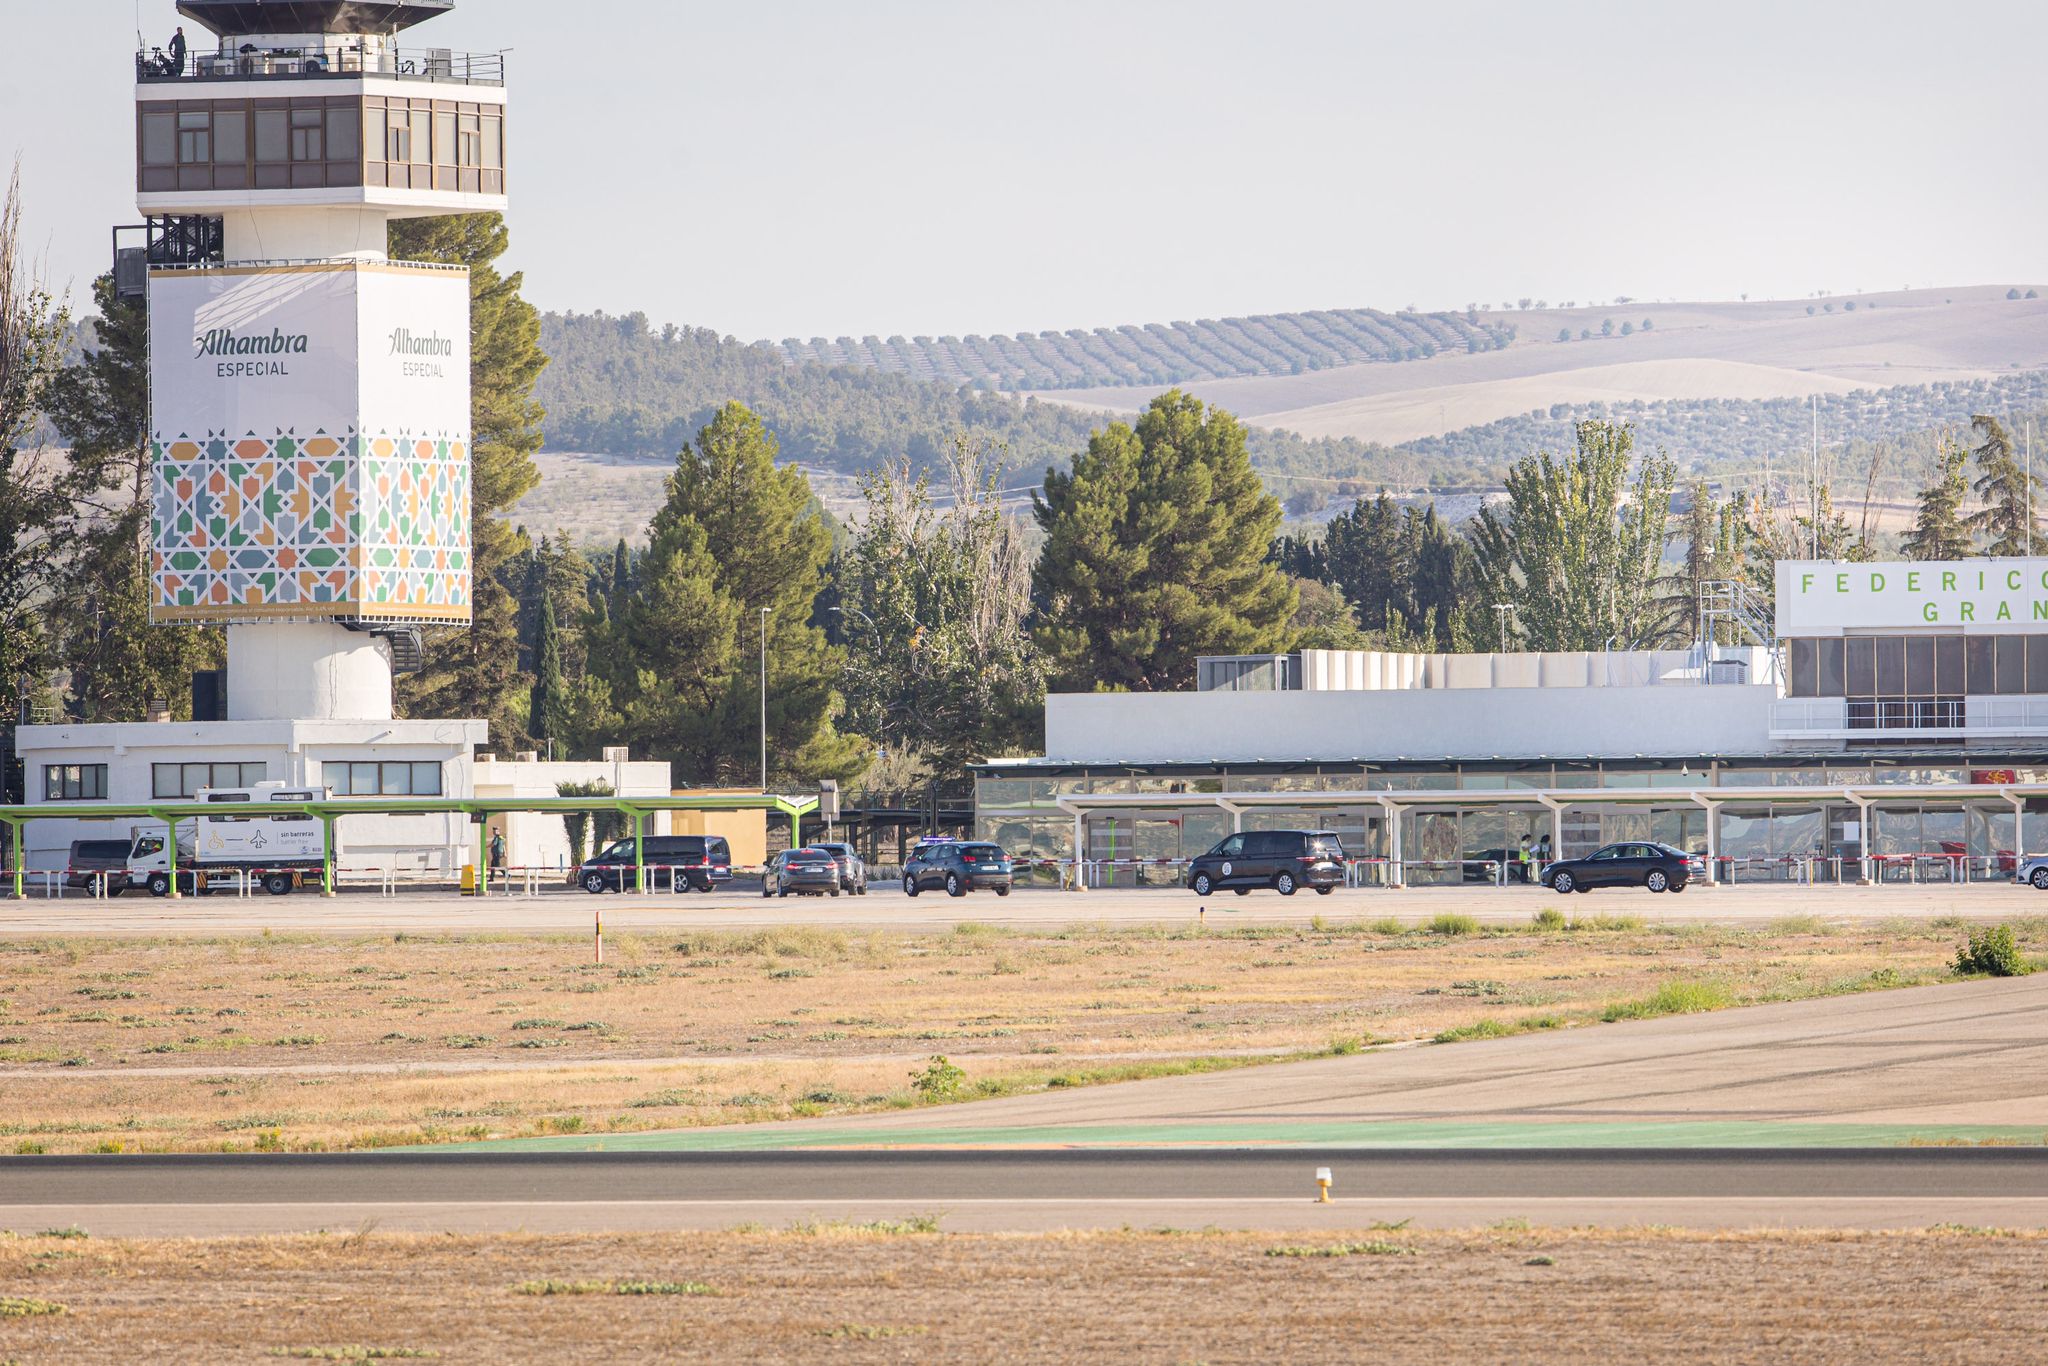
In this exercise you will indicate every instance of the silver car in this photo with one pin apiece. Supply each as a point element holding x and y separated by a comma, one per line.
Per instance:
<point>2035,871</point>
<point>853,871</point>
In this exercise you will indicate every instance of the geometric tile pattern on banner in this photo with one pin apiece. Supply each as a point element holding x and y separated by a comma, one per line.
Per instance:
<point>333,524</point>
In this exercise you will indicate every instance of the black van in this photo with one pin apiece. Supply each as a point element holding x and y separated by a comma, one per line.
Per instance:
<point>1284,860</point>
<point>700,861</point>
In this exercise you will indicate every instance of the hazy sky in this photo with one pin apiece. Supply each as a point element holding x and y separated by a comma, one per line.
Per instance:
<point>776,169</point>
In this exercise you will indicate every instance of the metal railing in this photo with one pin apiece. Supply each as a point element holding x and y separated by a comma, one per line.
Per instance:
<point>312,63</point>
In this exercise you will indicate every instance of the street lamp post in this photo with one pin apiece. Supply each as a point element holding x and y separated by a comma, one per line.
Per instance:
<point>1500,615</point>
<point>764,699</point>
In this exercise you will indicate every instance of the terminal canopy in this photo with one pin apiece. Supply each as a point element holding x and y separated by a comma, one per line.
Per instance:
<point>232,18</point>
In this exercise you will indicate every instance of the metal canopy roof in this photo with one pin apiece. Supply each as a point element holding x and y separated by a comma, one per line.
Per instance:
<point>232,18</point>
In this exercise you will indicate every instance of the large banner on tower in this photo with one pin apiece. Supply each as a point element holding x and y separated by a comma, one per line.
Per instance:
<point>310,432</point>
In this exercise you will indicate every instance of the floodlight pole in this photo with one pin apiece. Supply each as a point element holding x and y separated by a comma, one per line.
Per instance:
<point>764,699</point>
<point>1500,615</point>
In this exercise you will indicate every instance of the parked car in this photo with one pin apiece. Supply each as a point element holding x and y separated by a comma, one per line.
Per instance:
<point>853,869</point>
<point>90,858</point>
<point>959,866</point>
<point>812,871</point>
<point>700,861</point>
<point>1285,860</point>
<point>1658,867</point>
<point>2035,871</point>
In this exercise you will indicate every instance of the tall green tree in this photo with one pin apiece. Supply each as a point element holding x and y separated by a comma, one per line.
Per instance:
<point>931,612</point>
<point>33,329</point>
<point>1940,530</point>
<point>1156,552</point>
<point>100,405</point>
<point>2006,521</point>
<point>736,539</point>
<point>1713,551</point>
<point>1579,548</point>
<point>474,670</point>
<point>547,705</point>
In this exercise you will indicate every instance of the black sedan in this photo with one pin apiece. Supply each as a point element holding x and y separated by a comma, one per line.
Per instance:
<point>1658,867</point>
<point>813,872</point>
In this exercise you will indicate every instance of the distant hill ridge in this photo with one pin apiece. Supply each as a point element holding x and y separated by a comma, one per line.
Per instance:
<point>1164,353</point>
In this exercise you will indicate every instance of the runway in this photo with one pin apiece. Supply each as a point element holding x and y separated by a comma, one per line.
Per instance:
<point>1028,1190</point>
<point>563,910</point>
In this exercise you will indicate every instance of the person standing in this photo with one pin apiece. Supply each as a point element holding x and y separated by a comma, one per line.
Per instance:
<point>178,51</point>
<point>497,849</point>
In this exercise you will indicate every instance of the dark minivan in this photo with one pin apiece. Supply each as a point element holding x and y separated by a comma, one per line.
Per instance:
<point>93,859</point>
<point>699,861</point>
<point>1285,860</point>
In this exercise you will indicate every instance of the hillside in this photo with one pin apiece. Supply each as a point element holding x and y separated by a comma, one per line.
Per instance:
<point>617,386</point>
<point>1157,355</point>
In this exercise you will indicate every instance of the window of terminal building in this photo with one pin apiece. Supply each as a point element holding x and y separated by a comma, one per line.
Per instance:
<point>74,782</point>
<point>185,780</point>
<point>382,778</point>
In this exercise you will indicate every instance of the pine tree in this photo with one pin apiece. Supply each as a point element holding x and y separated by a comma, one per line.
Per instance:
<point>622,574</point>
<point>1155,552</point>
<point>735,536</point>
<point>1940,531</point>
<point>1580,549</point>
<point>2006,519</point>
<point>100,612</point>
<point>474,671</point>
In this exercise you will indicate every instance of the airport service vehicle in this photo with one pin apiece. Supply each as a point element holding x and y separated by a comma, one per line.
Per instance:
<point>1658,867</point>
<point>1285,860</point>
<point>959,866</point>
<point>91,858</point>
<point>281,849</point>
<point>700,861</point>
<point>811,871</point>
<point>853,870</point>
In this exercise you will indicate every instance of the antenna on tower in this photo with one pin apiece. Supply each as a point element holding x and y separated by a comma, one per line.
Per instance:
<point>1813,480</point>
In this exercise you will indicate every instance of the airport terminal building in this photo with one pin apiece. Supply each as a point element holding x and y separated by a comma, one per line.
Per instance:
<point>1885,721</point>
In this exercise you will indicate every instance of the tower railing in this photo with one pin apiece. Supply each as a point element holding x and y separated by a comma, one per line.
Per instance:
<point>312,63</point>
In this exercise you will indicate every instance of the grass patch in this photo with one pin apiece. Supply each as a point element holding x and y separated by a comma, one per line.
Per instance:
<point>354,1352</point>
<point>910,1226</point>
<point>1452,922</point>
<point>1478,1029</point>
<point>21,1307</point>
<point>873,1332</point>
<point>1387,925</point>
<point>1673,998</point>
<point>1548,919</point>
<point>554,1287</point>
<point>1371,1247</point>
<point>1607,923</point>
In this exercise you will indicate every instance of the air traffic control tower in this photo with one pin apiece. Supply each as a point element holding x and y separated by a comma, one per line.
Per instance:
<point>309,396</point>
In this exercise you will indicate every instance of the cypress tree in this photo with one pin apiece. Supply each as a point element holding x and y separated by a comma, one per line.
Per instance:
<point>1940,531</point>
<point>2005,520</point>
<point>547,700</point>
<point>622,573</point>
<point>1156,552</point>
<point>474,671</point>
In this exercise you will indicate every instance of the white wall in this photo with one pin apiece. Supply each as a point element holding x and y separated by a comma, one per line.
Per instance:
<point>1344,670</point>
<point>1513,723</point>
<point>307,670</point>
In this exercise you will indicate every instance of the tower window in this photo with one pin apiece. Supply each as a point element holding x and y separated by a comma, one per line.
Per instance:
<point>309,143</point>
<point>195,138</point>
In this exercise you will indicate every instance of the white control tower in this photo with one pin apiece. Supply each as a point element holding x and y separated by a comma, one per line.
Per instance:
<point>309,397</point>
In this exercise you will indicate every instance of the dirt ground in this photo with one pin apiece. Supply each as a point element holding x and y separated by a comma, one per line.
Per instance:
<point>310,1042</point>
<point>898,1294</point>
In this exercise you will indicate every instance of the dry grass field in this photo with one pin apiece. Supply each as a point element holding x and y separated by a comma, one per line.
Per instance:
<point>902,1292</point>
<point>312,1043</point>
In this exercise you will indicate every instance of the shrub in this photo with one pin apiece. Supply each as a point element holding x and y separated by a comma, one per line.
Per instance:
<point>938,1080</point>
<point>1549,918</point>
<point>1673,998</point>
<point>1990,952</point>
<point>1452,922</point>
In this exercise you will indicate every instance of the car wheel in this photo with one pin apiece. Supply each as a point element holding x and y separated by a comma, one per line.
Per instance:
<point>766,889</point>
<point>593,883</point>
<point>1284,884</point>
<point>1657,881</point>
<point>953,887</point>
<point>1677,887</point>
<point>2040,879</point>
<point>277,884</point>
<point>1242,891</point>
<point>1203,886</point>
<point>1002,891</point>
<point>159,885</point>
<point>1324,891</point>
<point>835,891</point>
<point>909,885</point>
<point>1564,882</point>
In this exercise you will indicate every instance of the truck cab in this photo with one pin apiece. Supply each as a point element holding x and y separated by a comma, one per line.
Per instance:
<point>280,850</point>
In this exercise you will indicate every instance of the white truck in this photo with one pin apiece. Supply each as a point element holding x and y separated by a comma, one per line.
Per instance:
<point>280,849</point>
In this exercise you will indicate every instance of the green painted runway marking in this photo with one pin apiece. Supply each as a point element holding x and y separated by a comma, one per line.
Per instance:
<point>1685,1134</point>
